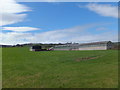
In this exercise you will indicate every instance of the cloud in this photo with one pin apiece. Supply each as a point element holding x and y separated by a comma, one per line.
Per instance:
<point>20,29</point>
<point>8,18</point>
<point>104,9</point>
<point>14,38</point>
<point>11,12</point>
<point>38,0</point>
<point>79,34</point>
<point>68,1</point>
<point>102,29</point>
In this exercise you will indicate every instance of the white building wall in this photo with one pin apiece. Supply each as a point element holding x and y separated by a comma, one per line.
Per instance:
<point>61,49</point>
<point>94,48</point>
<point>32,49</point>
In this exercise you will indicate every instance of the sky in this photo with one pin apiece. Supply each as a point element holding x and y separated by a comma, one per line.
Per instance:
<point>58,22</point>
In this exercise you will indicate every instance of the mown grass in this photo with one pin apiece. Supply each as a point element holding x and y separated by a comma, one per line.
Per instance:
<point>0,68</point>
<point>59,69</point>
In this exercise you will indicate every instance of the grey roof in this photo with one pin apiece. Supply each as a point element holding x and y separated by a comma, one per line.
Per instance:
<point>96,43</point>
<point>84,44</point>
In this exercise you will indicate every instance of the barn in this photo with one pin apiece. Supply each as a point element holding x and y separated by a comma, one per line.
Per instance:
<point>39,48</point>
<point>103,45</point>
<point>35,48</point>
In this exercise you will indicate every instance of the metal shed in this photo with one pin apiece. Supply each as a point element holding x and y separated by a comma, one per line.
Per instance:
<point>35,48</point>
<point>103,45</point>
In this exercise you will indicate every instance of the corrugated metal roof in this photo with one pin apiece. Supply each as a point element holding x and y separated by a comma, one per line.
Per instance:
<point>95,43</point>
<point>84,44</point>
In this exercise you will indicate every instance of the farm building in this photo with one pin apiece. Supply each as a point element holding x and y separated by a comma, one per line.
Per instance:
<point>35,48</point>
<point>104,45</point>
<point>39,48</point>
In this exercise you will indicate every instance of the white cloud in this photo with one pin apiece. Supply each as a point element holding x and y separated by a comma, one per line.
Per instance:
<point>104,9</point>
<point>11,12</point>
<point>14,38</point>
<point>11,6</point>
<point>8,18</point>
<point>20,29</point>
<point>40,0</point>
<point>75,34</point>
<point>102,29</point>
<point>68,0</point>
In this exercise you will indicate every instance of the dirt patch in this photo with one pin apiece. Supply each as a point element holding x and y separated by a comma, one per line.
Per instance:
<point>87,58</point>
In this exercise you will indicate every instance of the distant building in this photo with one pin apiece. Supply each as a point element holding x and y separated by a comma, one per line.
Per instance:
<point>35,48</point>
<point>5,45</point>
<point>38,48</point>
<point>104,45</point>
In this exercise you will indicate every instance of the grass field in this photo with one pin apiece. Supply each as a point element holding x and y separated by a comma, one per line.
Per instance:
<point>59,69</point>
<point>0,68</point>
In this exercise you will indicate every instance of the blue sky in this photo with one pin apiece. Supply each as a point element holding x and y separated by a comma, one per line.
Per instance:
<point>47,22</point>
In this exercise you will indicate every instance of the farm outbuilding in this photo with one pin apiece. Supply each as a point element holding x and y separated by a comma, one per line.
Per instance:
<point>104,45</point>
<point>39,48</point>
<point>35,48</point>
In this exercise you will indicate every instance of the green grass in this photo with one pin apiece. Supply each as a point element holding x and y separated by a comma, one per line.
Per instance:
<point>0,68</point>
<point>59,69</point>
